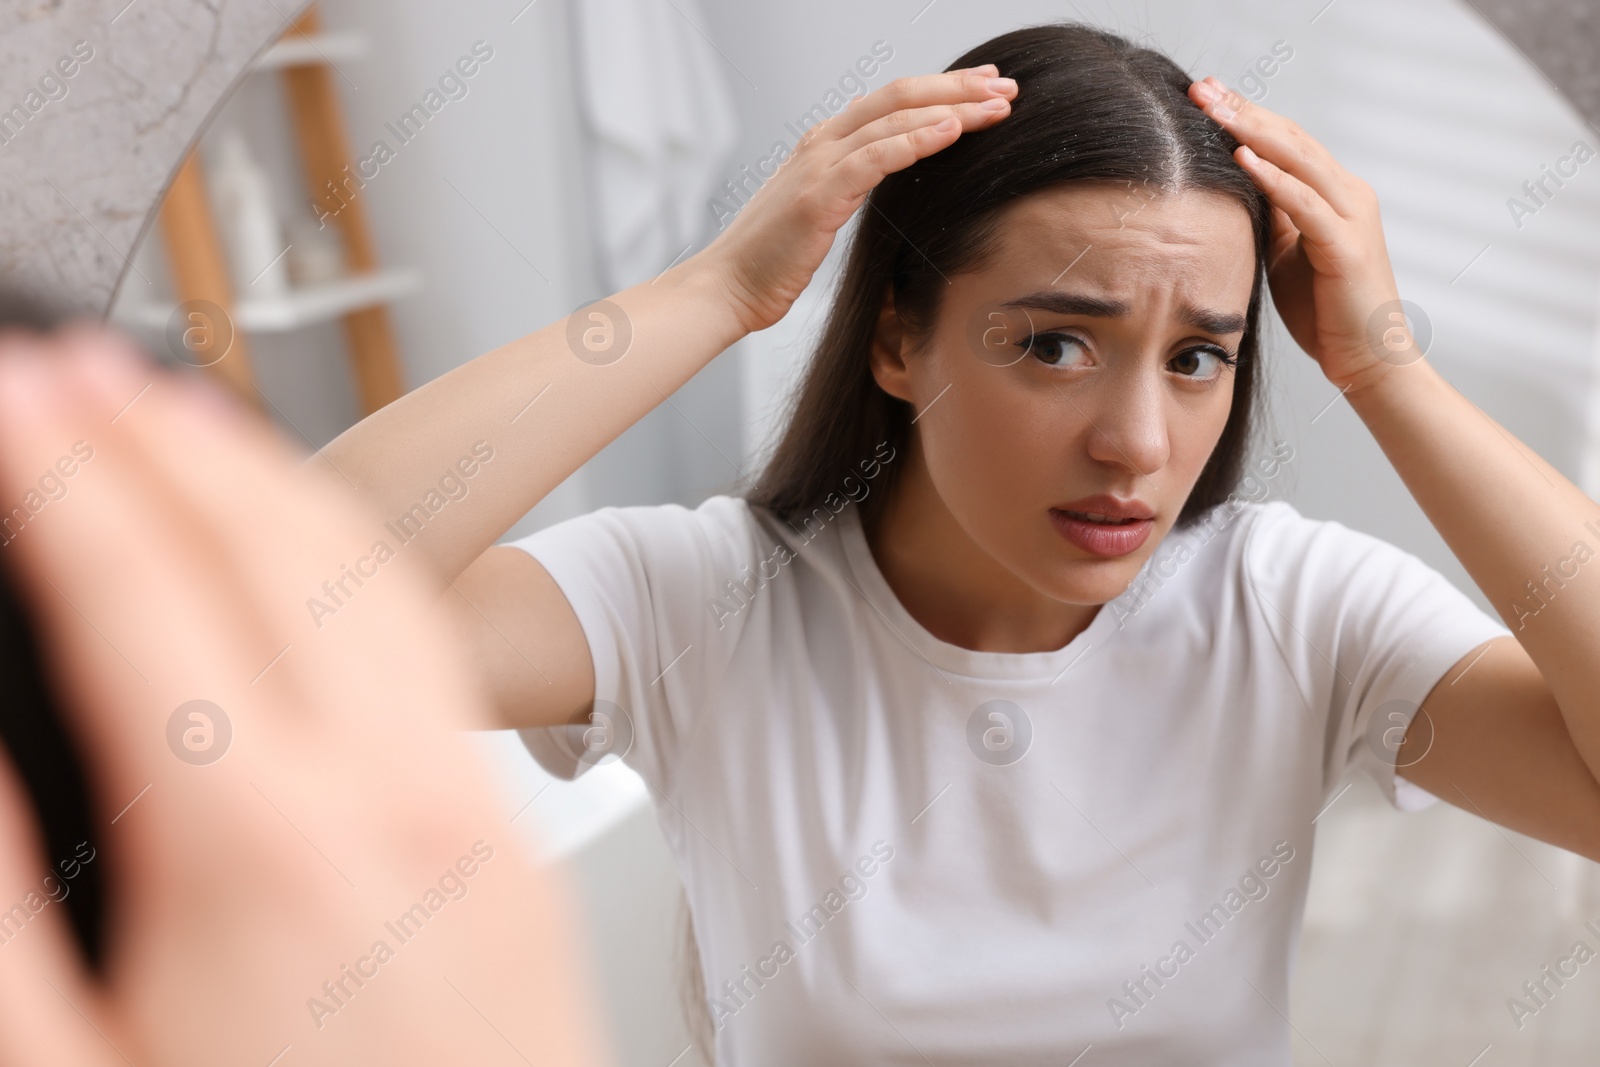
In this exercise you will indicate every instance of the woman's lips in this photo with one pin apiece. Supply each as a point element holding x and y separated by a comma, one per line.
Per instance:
<point>1108,539</point>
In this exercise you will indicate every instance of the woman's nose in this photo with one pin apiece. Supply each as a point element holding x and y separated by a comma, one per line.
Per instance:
<point>1128,423</point>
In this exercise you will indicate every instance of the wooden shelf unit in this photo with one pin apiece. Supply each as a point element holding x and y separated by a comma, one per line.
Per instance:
<point>199,266</point>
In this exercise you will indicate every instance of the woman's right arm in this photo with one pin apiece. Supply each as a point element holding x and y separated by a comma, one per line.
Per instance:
<point>546,403</point>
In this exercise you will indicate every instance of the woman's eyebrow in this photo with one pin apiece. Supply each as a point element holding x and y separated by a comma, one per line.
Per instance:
<point>1054,300</point>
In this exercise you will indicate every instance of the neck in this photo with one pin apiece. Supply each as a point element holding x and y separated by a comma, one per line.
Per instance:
<point>951,585</point>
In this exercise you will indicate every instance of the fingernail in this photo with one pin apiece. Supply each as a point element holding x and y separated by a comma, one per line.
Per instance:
<point>1002,85</point>
<point>1223,104</point>
<point>995,103</point>
<point>1206,92</point>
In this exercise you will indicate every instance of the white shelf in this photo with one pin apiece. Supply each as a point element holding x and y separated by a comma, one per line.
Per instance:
<point>299,307</point>
<point>299,51</point>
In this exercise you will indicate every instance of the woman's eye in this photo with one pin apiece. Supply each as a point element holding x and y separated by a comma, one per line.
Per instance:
<point>1052,349</point>
<point>1202,363</point>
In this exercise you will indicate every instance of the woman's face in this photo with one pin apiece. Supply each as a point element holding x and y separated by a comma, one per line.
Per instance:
<point>1087,359</point>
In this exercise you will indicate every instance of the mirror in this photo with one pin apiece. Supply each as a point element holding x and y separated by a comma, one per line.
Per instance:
<point>489,167</point>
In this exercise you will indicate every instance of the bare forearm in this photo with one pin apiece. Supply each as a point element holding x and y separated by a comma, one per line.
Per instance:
<point>538,408</point>
<point>1526,535</point>
<point>544,411</point>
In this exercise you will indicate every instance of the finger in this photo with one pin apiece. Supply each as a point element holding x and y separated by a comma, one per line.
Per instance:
<point>297,546</point>
<point>1282,223</point>
<point>147,419</point>
<point>1308,212</point>
<point>300,547</point>
<point>1284,232</point>
<point>133,615</point>
<point>43,983</point>
<point>159,445</point>
<point>867,165</point>
<point>1280,141</point>
<point>913,92</point>
<point>972,116</point>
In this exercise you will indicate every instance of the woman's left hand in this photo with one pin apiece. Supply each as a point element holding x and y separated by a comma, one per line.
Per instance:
<point>244,894</point>
<point>1328,265</point>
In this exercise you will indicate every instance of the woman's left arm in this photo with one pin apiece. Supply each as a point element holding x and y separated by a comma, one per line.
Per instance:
<point>1512,732</point>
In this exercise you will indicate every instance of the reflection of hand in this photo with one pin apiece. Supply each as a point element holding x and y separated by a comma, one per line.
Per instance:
<point>176,568</point>
<point>768,254</point>
<point>1328,264</point>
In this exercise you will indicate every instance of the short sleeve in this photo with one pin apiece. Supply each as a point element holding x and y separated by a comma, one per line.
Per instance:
<point>1386,627</point>
<point>643,582</point>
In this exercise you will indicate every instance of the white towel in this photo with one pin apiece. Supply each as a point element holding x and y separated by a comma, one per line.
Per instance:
<point>660,124</point>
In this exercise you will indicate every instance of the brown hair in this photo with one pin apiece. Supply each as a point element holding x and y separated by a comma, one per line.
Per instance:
<point>1090,106</point>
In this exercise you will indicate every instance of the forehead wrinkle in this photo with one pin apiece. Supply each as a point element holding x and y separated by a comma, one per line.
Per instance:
<point>1167,226</point>
<point>1068,303</point>
<point>1180,259</point>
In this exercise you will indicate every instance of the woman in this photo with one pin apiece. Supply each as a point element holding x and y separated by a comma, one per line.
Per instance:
<point>991,722</point>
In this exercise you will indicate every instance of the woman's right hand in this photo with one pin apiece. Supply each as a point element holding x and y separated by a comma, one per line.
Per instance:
<point>767,255</point>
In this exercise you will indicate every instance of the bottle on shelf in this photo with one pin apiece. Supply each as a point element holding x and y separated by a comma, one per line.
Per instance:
<point>251,230</point>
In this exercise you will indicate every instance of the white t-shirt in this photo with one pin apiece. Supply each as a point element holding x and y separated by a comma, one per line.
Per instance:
<point>900,851</point>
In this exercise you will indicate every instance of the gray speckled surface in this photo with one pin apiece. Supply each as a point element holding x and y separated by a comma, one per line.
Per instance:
<point>84,159</point>
<point>1560,37</point>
